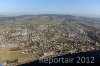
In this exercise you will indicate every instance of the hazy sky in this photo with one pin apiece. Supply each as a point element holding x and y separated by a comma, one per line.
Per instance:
<point>76,7</point>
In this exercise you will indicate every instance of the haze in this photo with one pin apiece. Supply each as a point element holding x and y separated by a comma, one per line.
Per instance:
<point>73,7</point>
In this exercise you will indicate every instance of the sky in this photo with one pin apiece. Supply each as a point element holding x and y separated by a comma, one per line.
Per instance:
<point>73,7</point>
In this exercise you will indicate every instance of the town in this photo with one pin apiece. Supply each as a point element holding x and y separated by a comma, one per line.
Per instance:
<point>35,41</point>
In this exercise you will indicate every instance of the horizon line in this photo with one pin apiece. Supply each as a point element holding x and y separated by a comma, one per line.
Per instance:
<point>8,15</point>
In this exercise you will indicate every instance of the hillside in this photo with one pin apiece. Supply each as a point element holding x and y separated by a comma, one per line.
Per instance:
<point>30,37</point>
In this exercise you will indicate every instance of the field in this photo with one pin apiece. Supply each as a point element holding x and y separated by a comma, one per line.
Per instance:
<point>7,55</point>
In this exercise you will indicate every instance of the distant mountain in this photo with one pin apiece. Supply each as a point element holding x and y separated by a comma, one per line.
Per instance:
<point>47,18</point>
